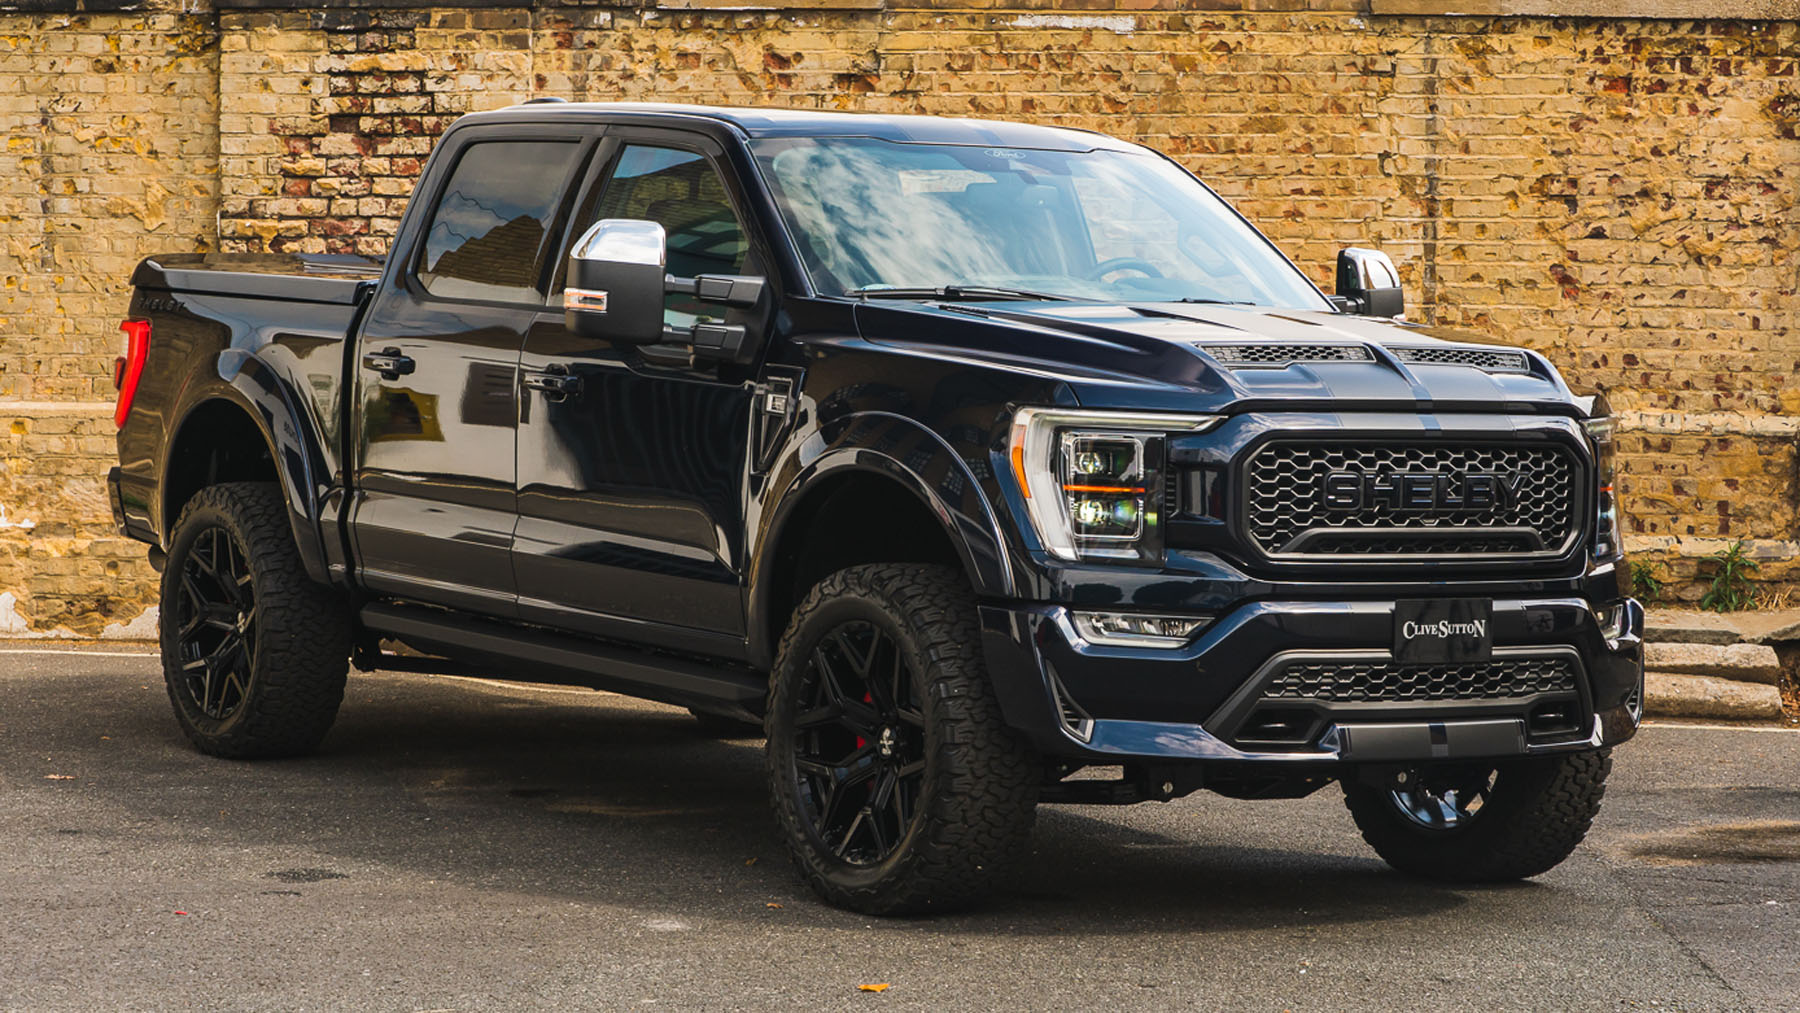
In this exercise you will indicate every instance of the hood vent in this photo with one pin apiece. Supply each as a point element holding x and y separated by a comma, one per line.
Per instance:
<point>1480,358</point>
<point>1280,356</point>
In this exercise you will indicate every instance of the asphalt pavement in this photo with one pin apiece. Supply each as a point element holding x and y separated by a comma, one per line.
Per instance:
<point>466,845</point>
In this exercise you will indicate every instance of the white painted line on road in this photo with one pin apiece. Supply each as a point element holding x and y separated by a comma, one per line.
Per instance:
<point>1718,727</point>
<point>82,654</point>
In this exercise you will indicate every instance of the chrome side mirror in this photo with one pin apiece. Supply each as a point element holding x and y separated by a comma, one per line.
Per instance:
<point>614,290</point>
<point>1369,284</point>
<point>618,277</point>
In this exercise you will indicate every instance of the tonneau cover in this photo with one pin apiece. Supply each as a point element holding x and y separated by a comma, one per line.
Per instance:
<point>296,277</point>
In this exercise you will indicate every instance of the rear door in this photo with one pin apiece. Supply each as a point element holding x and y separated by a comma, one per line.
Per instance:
<point>437,367</point>
<point>631,492</point>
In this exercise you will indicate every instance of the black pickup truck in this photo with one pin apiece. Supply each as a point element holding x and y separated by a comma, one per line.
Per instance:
<point>979,464</point>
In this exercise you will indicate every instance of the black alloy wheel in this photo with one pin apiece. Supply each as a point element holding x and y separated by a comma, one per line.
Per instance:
<point>215,619</point>
<point>254,652</point>
<point>897,783</point>
<point>1442,798</point>
<point>860,744</point>
<point>1484,823</point>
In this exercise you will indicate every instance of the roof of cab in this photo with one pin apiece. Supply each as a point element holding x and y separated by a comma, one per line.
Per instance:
<point>752,122</point>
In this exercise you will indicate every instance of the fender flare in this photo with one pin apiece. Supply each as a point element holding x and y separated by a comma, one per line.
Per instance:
<point>926,466</point>
<point>259,391</point>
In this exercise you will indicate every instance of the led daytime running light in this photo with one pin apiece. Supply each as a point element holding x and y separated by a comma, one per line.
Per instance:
<point>1608,526</point>
<point>1131,629</point>
<point>1084,476</point>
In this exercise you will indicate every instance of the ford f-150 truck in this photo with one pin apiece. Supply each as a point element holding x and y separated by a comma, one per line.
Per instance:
<point>979,464</point>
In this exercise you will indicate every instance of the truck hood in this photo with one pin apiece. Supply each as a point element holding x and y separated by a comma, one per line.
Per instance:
<point>1206,358</point>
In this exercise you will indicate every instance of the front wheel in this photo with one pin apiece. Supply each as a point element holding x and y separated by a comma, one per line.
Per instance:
<point>1481,823</point>
<point>898,786</point>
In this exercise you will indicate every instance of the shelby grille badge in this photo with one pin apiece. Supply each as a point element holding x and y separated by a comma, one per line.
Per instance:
<point>1399,492</point>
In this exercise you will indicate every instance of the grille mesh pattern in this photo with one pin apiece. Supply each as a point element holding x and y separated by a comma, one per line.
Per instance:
<point>1280,355</point>
<point>1382,681</point>
<point>1286,487</point>
<point>1480,358</point>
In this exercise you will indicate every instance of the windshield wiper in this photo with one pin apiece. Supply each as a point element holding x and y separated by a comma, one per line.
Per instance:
<point>1214,302</point>
<point>964,292</point>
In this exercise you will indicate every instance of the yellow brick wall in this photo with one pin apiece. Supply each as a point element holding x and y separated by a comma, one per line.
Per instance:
<point>1619,194</point>
<point>111,152</point>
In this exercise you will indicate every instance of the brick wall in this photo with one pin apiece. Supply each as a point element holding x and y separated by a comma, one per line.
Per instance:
<point>111,152</point>
<point>1619,193</point>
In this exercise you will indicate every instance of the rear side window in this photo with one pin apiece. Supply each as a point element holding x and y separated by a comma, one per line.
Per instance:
<point>487,234</point>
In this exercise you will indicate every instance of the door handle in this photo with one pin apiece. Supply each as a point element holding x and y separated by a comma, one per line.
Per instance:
<point>555,382</point>
<point>389,362</point>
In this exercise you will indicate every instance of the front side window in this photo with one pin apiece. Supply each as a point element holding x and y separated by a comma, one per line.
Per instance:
<point>1103,224</point>
<point>683,193</point>
<point>486,237</point>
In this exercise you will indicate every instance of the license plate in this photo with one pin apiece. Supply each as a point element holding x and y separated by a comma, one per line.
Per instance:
<point>1443,630</point>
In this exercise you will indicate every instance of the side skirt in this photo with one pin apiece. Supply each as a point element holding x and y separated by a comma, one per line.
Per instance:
<point>535,655</point>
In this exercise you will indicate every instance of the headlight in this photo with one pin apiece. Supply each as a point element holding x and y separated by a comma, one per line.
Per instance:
<point>1607,538</point>
<point>1092,481</point>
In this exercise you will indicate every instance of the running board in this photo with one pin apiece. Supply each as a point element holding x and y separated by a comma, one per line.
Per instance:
<point>542,656</point>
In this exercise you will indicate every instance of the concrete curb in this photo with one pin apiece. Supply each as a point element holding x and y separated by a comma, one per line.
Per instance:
<point>1711,664</point>
<point>1737,662</point>
<point>1698,696</point>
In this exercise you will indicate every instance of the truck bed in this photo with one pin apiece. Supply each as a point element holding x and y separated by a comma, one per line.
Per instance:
<point>296,277</point>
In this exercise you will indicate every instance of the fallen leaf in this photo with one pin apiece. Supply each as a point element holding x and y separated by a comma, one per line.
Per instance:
<point>59,777</point>
<point>750,861</point>
<point>883,987</point>
<point>772,904</point>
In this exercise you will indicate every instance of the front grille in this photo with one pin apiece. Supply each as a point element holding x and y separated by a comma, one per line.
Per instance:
<point>1276,356</point>
<point>1342,498</point>
<point>1387,681</point>
<point>1480,358</point>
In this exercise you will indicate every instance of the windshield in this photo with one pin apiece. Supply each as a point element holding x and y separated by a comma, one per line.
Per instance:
<point>1104,225</point>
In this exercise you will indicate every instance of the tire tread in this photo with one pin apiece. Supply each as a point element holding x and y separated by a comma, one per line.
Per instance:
<point>982,814</point>
<point>303,633</point>
<point>1550,804</point>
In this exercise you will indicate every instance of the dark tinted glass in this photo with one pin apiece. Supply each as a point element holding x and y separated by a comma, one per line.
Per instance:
<point>486,237</point>
<point>681,192</point>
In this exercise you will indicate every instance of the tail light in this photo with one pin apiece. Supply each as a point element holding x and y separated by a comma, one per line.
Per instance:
<point>129,368</point>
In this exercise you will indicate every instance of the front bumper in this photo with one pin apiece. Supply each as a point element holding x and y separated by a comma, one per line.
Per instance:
<point>1207,701</point>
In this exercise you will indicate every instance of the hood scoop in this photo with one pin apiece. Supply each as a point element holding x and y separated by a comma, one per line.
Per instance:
<point>1488,359</point>
<point>1272,355</point>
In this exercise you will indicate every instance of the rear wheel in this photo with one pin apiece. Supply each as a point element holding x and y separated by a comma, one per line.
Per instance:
<point>1474,823</point>
<point>897,784</point>
<point>254,652</point>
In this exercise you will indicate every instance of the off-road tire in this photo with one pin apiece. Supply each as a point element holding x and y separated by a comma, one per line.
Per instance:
<point>1540,809</point>
<point>977,797</point>
<point>723,726</point>
<point>301,634</point>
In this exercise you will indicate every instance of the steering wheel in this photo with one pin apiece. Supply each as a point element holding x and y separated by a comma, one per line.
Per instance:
<point>1138,264</point>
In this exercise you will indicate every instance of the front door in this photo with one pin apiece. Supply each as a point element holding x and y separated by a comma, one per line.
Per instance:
<point>436,369</point>
<point>631,473</point>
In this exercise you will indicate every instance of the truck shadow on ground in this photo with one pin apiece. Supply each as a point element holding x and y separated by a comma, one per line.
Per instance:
<point>596,799</point>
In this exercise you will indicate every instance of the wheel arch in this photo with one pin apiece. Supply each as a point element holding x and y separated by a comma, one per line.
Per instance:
<point>245,427</point>
<point>854,502</point>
